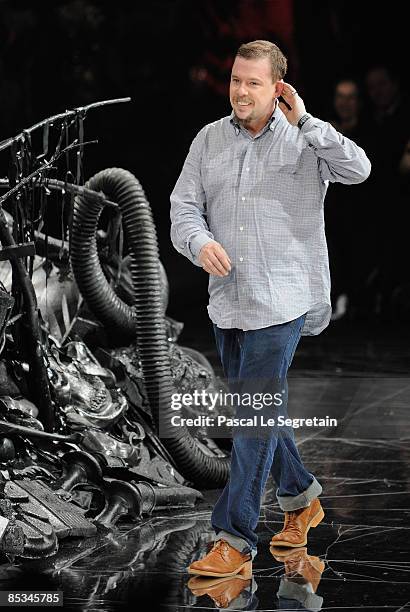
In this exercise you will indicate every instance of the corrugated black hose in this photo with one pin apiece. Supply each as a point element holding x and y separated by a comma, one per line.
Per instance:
<point>146,317</point>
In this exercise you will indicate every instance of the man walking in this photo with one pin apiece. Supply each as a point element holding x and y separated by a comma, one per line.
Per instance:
<point>248,209</point>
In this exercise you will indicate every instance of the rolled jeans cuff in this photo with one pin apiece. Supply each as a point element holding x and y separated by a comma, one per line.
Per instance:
<point>236,542</point>
<point>288,503</point>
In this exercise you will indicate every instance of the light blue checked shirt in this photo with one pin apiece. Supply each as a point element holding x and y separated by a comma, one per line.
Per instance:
<point>261,197</point>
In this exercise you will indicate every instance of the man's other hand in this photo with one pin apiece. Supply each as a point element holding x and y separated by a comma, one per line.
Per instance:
<point>214,259</point>
<point>297,106</point>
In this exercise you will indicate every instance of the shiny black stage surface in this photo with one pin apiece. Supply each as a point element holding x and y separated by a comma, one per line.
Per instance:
<point>356,559</point>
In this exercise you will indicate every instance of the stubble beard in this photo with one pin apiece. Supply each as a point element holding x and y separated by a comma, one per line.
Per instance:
<point>245,122</point>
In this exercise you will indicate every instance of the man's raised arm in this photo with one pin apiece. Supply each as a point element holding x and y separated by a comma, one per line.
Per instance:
<point>340,159</point>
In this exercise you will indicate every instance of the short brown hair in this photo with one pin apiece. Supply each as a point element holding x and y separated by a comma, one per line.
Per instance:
<point>264,48</point>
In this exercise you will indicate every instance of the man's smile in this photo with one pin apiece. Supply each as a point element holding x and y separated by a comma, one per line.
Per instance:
<point>243,105</point>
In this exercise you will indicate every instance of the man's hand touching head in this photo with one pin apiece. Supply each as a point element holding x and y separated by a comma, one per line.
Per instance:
<point>214,259</point>
<point>294,108</point>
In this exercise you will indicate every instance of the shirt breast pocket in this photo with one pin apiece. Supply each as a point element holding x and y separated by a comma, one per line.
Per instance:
<point>219,159</point>
<point>288,160</point>
<point>286,174</point>
<point>218,172</point>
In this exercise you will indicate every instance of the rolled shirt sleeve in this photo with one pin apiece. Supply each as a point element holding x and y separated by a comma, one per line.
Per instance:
<point>340,159</point>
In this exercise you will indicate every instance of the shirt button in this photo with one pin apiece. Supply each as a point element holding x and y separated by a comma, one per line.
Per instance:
<point>243,198</point>
<point>241,259</point>
<point>247,169</point>
<point>241,228</point>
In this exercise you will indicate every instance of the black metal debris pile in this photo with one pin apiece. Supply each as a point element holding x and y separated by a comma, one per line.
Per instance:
<point>88,357</point>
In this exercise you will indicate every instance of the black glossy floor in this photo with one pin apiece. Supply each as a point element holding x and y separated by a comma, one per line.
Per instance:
<point>356,559</point>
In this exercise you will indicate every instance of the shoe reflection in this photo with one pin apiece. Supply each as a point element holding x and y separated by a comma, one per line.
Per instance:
<point>233,592</point>
<point>300,580</point>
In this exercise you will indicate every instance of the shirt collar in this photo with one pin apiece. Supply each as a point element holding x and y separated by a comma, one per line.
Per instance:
<point>270,125</point>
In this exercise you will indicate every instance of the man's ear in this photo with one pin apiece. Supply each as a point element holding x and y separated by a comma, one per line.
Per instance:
<point>279,88</point>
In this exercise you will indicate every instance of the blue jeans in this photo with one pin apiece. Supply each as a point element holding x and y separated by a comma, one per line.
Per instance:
<point>249,356</point>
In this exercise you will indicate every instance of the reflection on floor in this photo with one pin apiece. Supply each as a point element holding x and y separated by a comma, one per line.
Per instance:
<point>356,559</point>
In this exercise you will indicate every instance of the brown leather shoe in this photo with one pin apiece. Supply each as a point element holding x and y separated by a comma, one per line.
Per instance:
<point>297,525</point>
<point>221,590</point>
<point>223,560</point>
<point>299,563</point>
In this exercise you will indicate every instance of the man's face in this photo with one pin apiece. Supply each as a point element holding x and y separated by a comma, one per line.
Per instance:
<point>346,100</point>
<point>252,91</point>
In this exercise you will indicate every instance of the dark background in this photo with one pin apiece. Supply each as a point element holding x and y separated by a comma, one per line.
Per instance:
<point>174,58</point>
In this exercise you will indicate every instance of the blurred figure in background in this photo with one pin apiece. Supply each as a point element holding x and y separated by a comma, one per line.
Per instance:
<point>345,213</point>
<point>386,144</point>
<point>347,104</point>
<point>383,89</point>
